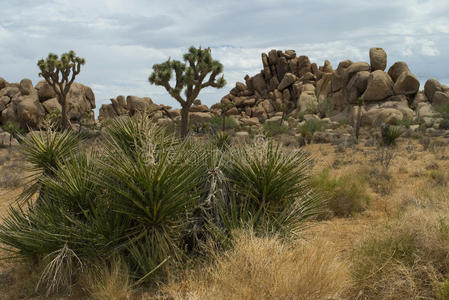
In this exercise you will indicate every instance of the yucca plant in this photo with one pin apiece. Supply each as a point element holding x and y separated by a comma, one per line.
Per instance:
<point>222,140</point>
<point>271,187</point>
<point>44,150</point>
<point>389,134</point>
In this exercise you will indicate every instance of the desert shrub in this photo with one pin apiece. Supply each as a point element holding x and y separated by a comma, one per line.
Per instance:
<point>272,189</point>
<point>390,134</point>
<point>325,108</point>
<point>379,179</point>
<point>217,123</point>
<point>274,128</point>
<point>346,195</point>
<point>444,124</point>
<point>267,268</point>
<point>443,110</point>
<point>310,127</point>
<point>403,259</point>
<point>221,140</point>
<point>438,177</point>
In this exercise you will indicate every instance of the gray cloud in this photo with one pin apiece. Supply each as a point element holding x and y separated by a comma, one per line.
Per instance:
<point>121,40</point>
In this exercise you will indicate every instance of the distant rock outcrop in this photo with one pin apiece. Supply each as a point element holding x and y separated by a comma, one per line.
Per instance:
<point>28,106</point>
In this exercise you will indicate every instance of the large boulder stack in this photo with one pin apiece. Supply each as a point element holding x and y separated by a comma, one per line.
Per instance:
<point>294,84</point>
<point>28,106</point>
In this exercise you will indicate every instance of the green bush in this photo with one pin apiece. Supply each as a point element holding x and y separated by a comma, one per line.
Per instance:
<point>390,134</point>
<point>346,195</point>
<point>310,127</point>
<point>274,128</point>
<point>217,123</point>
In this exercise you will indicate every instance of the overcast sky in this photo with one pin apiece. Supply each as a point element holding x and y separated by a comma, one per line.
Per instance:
<point>121,40</point>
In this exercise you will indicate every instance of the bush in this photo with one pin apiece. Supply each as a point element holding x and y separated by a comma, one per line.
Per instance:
<point>274,128</point>
<point>346,195</point>
<point>389,134</point>
<point>310,127</point>
<point>217,123</point>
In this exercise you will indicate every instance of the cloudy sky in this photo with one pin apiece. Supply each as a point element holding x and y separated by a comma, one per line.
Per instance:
<point>121,40</point>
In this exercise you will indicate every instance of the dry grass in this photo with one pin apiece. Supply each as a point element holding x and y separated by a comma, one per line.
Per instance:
<point>110,282</point>
<point>267,268</point>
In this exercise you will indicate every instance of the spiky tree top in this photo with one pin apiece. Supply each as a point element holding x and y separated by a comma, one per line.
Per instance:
<point>198,71</point>
<point>60,73</point>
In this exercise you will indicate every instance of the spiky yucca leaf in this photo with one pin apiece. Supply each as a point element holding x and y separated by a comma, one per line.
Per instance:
<point>44,150</point>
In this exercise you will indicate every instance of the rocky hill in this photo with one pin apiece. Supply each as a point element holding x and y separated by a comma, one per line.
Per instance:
<point>28,105</point>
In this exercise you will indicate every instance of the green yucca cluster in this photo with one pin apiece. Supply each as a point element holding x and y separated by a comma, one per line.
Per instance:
<point>148,198</point>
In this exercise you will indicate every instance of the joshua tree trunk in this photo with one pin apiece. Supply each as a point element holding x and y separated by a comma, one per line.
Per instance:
<point>357,124</point>
<point>65,120</point>
<point>184,121</point>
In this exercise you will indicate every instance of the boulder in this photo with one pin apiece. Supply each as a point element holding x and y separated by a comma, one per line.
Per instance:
<point>379,87</point>
<point>4,101</point>
<point>3,83</point>
<point>258,82</point>
<point>30,111</point>
<point>406,84</point>
<point>397,69</point>
<point>307,101</point>
<point>287,81</point>
<point>431,87</point>
<point>324,87</point>
<point>338,77</point>
<point>26,87</point>
<point>80,102</point>
<point>233,111</point>
<point>353,69</point>
<point>425,110</point>
<point>45,91</point>
<point>339,100</point>
<point>120,106</point>
<point>200,117</point>
<point>419,98</point>
<point>199,108</point>
<point>359,81</point>
<point>377,116</point>
<point>440,98</point>
<point>52,105</point>
<point>10,91</point>
<point>378,59</point>
<point>106,112</point>
<point>249,121</point>
<point>7,140</point>
<point>136,104</point>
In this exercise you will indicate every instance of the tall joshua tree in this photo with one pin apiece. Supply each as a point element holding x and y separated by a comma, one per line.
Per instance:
<point>60,73</point>
<point>198,71</point>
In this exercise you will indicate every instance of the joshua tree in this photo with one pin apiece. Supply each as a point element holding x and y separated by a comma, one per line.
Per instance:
<point>60,73</point>
<point>190,77</point>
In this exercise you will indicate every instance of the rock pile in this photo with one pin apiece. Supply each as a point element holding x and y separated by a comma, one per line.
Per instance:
<point>28,106</point>
<point>294,84</point>
<point>162,114</point>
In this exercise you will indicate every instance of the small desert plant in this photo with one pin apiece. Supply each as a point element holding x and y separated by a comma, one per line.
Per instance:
<point>274,128</point>
<point>325,108</point>
<point>310,127</point>
<point>389,134</point>
<point>222,140</point>
<point>216,123</point>
<point>346,195</point>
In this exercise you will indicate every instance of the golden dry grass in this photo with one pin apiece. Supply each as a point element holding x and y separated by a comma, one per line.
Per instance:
<point>267,268</point>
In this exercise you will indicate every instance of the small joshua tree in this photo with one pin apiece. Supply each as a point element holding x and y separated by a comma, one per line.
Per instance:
<point>190,76</point>
<point>60,73</point>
